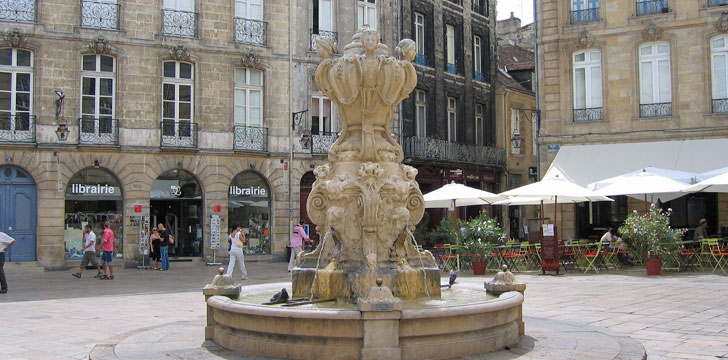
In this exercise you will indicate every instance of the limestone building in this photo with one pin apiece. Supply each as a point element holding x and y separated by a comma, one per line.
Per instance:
<point>638,75</point>
<point>510,32</point>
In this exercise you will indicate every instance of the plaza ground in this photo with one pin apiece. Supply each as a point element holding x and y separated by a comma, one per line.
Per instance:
<point>52,315</point>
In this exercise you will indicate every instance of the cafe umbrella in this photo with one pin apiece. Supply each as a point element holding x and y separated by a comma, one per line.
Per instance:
<point>643,183</point>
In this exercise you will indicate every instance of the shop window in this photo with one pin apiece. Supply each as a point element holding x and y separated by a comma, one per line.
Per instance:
<point>249,205</point>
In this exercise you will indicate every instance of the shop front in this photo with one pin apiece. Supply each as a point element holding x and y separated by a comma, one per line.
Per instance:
<point>93,196</point>
<point>249,205</point>
<point>176,201</point>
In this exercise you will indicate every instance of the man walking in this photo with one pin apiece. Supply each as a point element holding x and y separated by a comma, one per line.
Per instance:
<point>89,252</point>
<point>5,243</point>
<point>299,233</point>
<point>108,250</point>
<point>163,246</point>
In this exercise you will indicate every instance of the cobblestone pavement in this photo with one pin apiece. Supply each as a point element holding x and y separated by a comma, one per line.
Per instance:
<point>52,315</point>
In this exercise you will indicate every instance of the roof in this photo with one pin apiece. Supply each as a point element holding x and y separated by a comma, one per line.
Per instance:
<point>512,58</point>
<point>507,81</point>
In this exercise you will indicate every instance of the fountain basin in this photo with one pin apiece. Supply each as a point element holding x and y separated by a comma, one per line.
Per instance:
<point>434,332</point>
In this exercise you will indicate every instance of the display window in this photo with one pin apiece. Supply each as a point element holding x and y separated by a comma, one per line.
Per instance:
<point>249,205</point>
<point>93,196</point>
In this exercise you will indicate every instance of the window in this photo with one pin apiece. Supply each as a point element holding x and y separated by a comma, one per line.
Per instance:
<point>450,48</point>
<point>16,90</point>
<point>420,113</point>
<point>177,99</point>
<point>249,9</point>
<point>516,139</point>
<point>367,14</point>
<point>588,85</point>
<point>719,73</point>
<point>479,124</point>
<point>179,18</point>
<point>100,14</point>
<point>478,58</point>
<point>249,25</point>
<point>248,97</point>
<point>480,7</point>
<point>655,80</point>
<point>452,119</point>
<point>322,112</point>
<point>420,58</point>
<point>583,11</point>
<point>97,98</point>
<point>322,16</point>
<point>648,7</point>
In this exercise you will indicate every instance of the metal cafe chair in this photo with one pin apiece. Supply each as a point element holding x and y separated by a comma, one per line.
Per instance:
<point>718,254</point>
<point>593,259</point>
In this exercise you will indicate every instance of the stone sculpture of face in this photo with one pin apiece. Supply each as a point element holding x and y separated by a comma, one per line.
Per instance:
<point>369,41</point>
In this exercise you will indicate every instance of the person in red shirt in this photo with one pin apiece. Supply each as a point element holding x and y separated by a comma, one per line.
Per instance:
<point>107,247</point>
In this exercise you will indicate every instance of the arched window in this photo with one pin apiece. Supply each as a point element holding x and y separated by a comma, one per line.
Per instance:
<point>588,85</point>
<point>249,205</point>
<point>16,92</point>
<point>655,80</point>
<point>719,73</point>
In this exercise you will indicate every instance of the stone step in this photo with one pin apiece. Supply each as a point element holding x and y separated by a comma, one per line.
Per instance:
<point>16,267</point>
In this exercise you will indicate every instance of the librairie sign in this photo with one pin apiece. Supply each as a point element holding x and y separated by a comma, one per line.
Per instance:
<point>248,191</point>
<point>97,189</point>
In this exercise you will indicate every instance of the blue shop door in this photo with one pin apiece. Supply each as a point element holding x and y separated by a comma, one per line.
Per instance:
<point>18,218</point>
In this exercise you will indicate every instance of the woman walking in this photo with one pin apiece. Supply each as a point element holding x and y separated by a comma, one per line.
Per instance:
<point>237,240</point>
<point>299,233</point>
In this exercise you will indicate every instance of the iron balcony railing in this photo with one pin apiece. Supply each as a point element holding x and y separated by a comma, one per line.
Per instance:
<point>18,10</point>
<point>717,2</point>
<point>585,16</point>
<point>98,131</point>
<point>250,31</point>
<point>99,15</point>
<point>443,150</point>
<point>315,34</point>
<point>720,105</point>
<point>588,114</point>
<point>452,68</point>
<point>421,59</point>
<point>178,134</point>
<point>322,142</point>
<point>179,23</point>
<point>649,7</point>
<point>656,110</point>
<point>18,128</point>
<point>479,76</point>
<point>250,138</point>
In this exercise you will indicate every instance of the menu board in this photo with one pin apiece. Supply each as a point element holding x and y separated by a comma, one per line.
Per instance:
<point>549,249</point>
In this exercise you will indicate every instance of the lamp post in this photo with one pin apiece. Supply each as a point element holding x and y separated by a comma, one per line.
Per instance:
<point>296,119</point>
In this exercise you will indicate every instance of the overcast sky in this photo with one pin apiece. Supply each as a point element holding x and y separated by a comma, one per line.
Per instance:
<point>522,9</point>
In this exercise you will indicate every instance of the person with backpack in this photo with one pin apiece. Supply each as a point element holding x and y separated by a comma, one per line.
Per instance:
<point>237,241</point>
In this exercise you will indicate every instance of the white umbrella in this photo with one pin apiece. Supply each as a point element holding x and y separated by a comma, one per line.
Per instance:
<point>643,183</point>
<point>456,195</point>
<point>709,174</point>
<point>715,184</point>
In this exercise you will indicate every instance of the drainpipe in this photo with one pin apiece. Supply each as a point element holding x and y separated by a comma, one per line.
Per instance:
<point>290,113</point>
<point>536,90</point>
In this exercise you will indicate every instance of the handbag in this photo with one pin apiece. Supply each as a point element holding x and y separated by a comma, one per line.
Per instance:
<point>238,242</point>
<point>171,239</point>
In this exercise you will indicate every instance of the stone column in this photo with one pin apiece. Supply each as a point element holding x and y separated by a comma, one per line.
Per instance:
<point>380,313</point>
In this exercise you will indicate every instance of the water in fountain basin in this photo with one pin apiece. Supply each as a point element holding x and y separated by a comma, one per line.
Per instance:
<point>318,261</point>
<point>422,263</point>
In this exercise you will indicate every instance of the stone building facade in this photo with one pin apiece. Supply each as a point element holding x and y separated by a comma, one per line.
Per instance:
<point>510,32</point>
<point>630,71</point>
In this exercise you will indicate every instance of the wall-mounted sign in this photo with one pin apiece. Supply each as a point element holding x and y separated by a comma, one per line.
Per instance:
<point>175,190</point>
<point>553,148</point>
<point>92,189</point>
<point>217,208</point>
<point>248,191</point>
<point>137,208</point>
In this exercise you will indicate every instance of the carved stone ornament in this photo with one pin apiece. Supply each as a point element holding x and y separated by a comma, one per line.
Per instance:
<point>15,38</point>
<point>179,53</point>
<point>250,60</point>
<point>585,40</point>
<point>722,23</point>
<point>100,46</point>
<point>652,32</point>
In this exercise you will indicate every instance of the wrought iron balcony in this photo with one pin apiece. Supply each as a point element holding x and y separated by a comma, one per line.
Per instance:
<point>250,138</point>
<point>315,34</point>
<point>585,16</point>
<point>720,105</point>
<point>99,15</point>
<point>321,143</point>
<point>479,76</point>
<point>18,10</point>
<point>179,23</point>
<point>588,114</point>
<point>421,59</point>
<point>649,7</point>
<point>178,134</point>
<point>250,31</point>
<point>717,2</point>
<point>443,150</point>
<point>18,128</point>
<point>452,68</point>
<point>656,110</point>
<point>98,131</point>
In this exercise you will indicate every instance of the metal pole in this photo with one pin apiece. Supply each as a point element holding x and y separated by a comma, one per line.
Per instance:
<point>290,111</point>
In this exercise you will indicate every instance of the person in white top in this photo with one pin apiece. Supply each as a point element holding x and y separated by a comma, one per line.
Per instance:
<point>89,252</point>
<point>6,241</point>
<point>237,241</point>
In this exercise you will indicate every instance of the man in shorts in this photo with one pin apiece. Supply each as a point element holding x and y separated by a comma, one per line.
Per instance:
<point>89,252</point>
<point>108,250</point>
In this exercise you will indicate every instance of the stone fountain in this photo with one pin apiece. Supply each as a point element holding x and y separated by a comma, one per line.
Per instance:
<point>388,302</point>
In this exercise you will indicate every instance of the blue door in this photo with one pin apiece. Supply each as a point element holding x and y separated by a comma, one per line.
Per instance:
<point>18,201</point>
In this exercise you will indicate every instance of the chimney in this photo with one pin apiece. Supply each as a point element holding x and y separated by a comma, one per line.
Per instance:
<point>512,15</point>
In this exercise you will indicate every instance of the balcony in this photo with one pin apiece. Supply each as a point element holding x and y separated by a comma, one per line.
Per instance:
<point>250,31</point>
<point>452,68</point>
<point>585,16</point>
<point>421,59</point>
<point>316,34</point>
<point>588,114</point>
<point>322,142</point>
<point>720,106</point>
<point>250,139</point>
<point>479,76</point>
<point>179,23</point>
<point>650,7</point>
<point>178,134</point>
<point>17,10</point>
<point>99,15</point>
<point>19,128</point>
<point>441,150</point>
<point>98,131</point>
<point>717,2</point>
<point>656,110</point>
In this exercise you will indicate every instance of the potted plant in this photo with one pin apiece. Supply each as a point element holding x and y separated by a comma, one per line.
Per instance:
<point>650,237</point>
<point>482,234</point>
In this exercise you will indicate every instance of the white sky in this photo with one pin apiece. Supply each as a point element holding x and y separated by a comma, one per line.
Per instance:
<point>522,9</point>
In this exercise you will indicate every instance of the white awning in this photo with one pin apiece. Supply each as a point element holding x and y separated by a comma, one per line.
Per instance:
<point>585,164</point>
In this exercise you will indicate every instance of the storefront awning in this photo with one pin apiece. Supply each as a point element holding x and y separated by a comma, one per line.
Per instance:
<point>584,164</point>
